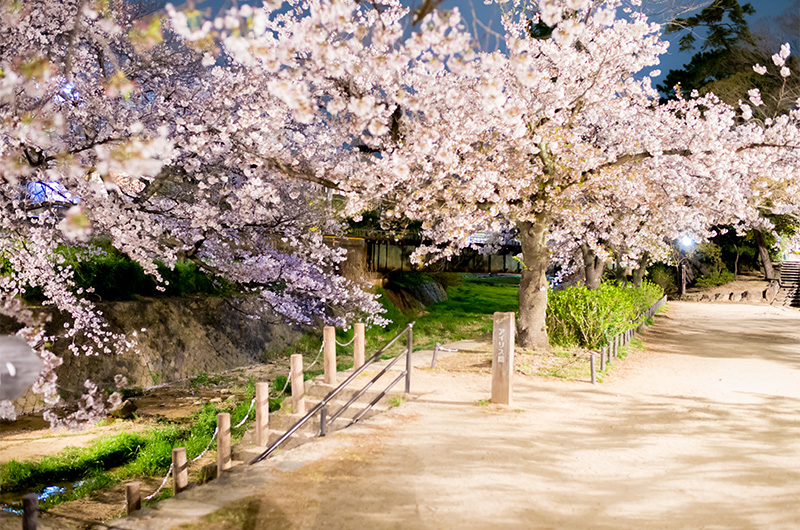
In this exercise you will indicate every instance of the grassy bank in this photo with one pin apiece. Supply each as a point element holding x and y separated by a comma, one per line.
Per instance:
<point>76,472</point>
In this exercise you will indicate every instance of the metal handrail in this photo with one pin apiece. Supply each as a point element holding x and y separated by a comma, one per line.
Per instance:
<point>321,406</point>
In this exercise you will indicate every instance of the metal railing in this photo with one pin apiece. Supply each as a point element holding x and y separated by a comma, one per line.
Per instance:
<point>321,408</point>
<point>622,339</point>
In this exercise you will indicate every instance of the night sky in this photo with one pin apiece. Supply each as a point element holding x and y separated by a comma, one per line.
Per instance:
<point>769,20</point>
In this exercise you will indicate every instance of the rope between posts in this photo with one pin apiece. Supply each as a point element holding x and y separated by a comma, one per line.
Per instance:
<point>246,415</point>
<point>317,359</point>
<point>163,482</point>
<point>211,441</point>
<point>347,344</point>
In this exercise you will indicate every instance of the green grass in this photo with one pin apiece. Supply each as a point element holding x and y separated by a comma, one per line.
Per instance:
<point>466,314</point>
<point>115,458</point>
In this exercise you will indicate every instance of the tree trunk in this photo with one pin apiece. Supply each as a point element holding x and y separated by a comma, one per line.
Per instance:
<point>763,252</point>
<point>638,274</point>
<point>533,287</point>
<point>593,267</point>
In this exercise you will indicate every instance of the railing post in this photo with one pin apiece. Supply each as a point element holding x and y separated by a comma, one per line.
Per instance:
<point>298,384</point>
<point>323,420</point>
<point>180,469</point>
<point>435,353</point>
<point>409,349</point>
<point>602,363</point>
<point>262,414</point>
<point>329,355</point>
<point>359,345</point>
<point>30,512</point>
<point>223,442</point>
<point>591,366</point>
<point>133,498</point>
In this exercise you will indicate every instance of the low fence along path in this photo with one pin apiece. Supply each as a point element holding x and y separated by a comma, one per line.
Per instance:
<point>701,430</point>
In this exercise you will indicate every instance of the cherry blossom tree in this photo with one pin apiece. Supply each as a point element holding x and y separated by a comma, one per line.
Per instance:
<point>137,138</point>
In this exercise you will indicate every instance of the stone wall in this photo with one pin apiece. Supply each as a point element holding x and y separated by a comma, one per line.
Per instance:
<point>182,337</point>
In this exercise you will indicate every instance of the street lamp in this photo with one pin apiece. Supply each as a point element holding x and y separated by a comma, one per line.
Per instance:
<point>685,245</point>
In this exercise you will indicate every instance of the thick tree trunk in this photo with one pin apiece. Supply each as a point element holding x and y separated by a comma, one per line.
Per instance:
<point>763,252</point>
<point>638,274</point>
<point>593,267</point>
<point>533,287</point>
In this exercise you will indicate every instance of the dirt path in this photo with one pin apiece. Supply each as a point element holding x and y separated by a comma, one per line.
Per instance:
<point>700,431</point>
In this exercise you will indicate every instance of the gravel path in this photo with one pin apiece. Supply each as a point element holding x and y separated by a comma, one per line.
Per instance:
<point>702,430</point>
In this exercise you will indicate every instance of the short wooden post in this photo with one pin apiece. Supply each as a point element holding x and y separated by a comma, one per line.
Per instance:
<point>329,354</point>
<point>223,442</point>
<point>298,385</point>
<point>133,498</point>
<point>262,414</point>
<point>359,345</point>
<point>30,512</point>
<point>591,366</point>
<point>180,469</point>
<point>503,357</point>
<point>602,362</point>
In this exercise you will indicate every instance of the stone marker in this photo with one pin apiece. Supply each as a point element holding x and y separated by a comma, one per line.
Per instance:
<point>19,367</point>
<point>359,345</point>
<point>223,443</point>
<point>329,354</point>
<point>503,357</point>
<point>262,414</point>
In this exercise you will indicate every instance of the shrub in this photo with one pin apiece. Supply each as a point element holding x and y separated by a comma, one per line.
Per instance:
<point>665,277</point>
<point>715,278</point>
<point>577,316</point>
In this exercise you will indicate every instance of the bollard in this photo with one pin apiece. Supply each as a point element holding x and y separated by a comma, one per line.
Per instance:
<point>180,470</point>
<point>503,357</point>
<point>591,366</point>
<point>133,498</point>
<point>262,414</point>
<point>30,512</point>
<point>602,361</point>
<point>329,355</point>
<point>223,442</point>
<point>298,385</point>
<point>359,345</point>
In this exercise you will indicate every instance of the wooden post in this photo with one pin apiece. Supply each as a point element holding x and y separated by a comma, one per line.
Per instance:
<point>591,367</point>
<point>503,357</point>
<point>223,442</point>
<point>359,345</point>
<point>329,354</point>
<point>30,512</point>
<point>262,414</point>
<point>298,385</point>
<point>180,469</point>
<point>133,498</point>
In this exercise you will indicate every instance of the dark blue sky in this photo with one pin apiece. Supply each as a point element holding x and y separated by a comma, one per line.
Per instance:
<point>660,11</point>
<point>486,21</point>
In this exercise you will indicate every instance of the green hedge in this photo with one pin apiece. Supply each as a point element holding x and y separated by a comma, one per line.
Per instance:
<point>577,316</point>
<point>114,276</point>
